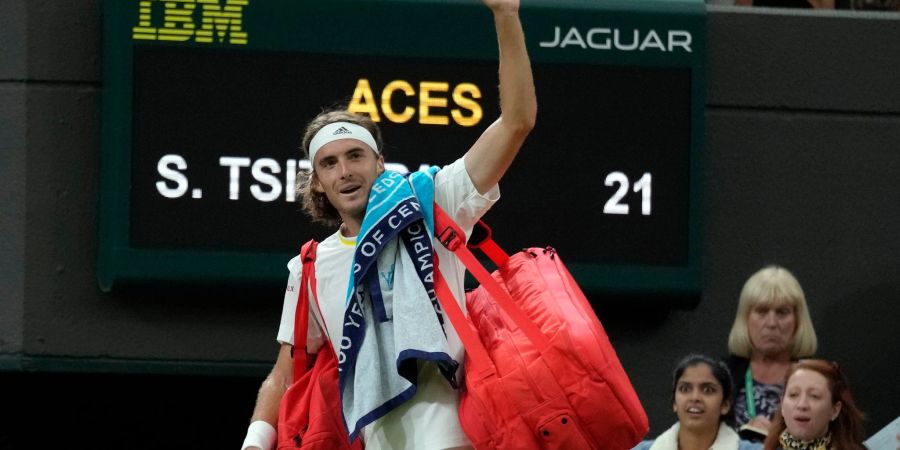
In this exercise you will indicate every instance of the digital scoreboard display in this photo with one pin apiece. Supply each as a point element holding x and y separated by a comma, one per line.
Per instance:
<point>205,104</point>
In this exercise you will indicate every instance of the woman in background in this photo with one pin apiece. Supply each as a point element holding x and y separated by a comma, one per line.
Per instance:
<point>817,411</point>
<point>701,398</point>
<point>772,327</point>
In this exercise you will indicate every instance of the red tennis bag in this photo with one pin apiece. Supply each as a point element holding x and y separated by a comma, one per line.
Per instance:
<point>540,372</point>
<point>309,416</point>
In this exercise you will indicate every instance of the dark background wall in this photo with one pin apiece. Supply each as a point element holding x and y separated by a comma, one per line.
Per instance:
<point>802,161</point>
<point>802,158</point>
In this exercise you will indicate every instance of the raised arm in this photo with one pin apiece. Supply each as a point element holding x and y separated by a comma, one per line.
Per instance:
<point>494,151</point>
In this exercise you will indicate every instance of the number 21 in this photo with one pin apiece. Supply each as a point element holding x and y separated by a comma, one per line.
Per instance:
<point>615,206</point>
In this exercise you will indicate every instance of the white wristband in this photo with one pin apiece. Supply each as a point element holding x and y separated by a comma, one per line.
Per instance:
<point>260,434</point>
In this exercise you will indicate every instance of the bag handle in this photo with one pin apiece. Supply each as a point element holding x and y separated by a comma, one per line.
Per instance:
<point>301,314</point>
<point>452,237</point>
<point>482,238</point>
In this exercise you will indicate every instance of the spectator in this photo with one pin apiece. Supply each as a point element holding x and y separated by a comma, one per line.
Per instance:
<point>772,327</point>
<point>701,398</point>
<point>817,411</point>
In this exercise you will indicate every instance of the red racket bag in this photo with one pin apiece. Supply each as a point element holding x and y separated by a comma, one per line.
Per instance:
<point>540,371</point>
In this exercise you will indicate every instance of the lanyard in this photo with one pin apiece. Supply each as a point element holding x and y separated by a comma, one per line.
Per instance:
<point>748,394</point>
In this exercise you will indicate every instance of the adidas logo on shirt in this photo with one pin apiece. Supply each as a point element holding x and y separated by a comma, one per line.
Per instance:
<point>341,130</point>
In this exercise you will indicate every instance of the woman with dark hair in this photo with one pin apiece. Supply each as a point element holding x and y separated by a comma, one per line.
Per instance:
<point>817,411</point>
<point>701,398</point>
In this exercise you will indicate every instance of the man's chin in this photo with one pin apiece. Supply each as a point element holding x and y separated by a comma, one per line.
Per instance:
<point>354,212</point>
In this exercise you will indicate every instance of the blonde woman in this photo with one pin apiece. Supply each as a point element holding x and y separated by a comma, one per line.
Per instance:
<point>771,329</point>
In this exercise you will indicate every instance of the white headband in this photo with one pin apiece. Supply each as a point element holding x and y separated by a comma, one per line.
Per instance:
<point>340,130</point>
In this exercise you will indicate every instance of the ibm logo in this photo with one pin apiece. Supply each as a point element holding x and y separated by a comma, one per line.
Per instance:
<point>181,22</point>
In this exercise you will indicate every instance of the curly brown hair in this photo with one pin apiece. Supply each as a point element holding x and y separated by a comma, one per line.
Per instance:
<point>316,204</point>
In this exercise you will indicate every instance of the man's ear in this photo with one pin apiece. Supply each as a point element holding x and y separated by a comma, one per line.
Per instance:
<point>379,162</point>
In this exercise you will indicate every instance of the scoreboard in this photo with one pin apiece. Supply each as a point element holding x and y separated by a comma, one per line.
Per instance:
<point>205,101</point>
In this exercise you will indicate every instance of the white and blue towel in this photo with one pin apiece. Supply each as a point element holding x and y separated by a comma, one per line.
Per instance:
<point>392,318</point>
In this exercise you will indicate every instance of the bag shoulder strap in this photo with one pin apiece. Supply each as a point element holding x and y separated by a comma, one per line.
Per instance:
<point>479,360</point>
<point>452,237</point>
<point>301,313</point>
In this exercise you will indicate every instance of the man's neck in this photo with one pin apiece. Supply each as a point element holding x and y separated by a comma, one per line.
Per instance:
<point>350,228</point>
